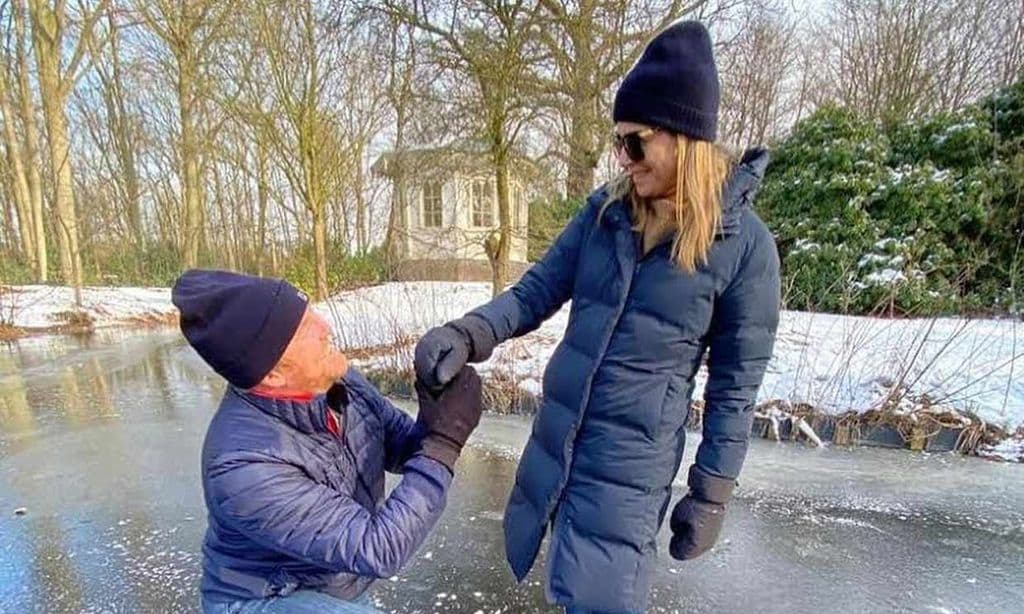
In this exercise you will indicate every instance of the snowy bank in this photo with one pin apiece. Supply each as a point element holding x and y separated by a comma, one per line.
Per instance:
<point>836,364</point>
<point>34,308</point>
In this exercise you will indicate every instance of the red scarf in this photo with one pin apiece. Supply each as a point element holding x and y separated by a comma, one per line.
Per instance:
<point>301,397</point>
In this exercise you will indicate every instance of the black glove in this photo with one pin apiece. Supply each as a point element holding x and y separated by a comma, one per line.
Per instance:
<point>697,518</point>
<point>448,419</point>
<point>442,351</point>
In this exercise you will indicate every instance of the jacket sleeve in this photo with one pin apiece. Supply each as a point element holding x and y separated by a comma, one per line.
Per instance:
<point>402,437</point>
<point>279,506</point>
<point>741,342</point>
<point>547,285</point>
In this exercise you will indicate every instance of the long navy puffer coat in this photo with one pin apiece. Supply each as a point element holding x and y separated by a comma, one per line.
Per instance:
<point>608,438</point>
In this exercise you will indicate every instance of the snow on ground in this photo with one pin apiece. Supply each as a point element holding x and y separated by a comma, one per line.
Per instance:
<point>35,307</point>
<point>1011,449</point>
<point>835,363</point>
<point>398,313</point>
<point>840,363</point>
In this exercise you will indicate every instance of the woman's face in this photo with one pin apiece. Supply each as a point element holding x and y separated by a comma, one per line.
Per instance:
<point>654,177</point>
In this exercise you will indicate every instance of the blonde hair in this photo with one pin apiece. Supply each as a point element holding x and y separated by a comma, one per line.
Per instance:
<point>702,168</point>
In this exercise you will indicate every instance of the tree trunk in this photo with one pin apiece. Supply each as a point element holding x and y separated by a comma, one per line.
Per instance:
<point>125,150</point>
<point>228,233</point>
<point>38,222</point>
<point>19,182</point>
<point>392,253</point>
<point>64,195</point>
<point>23,214</point>
<point>391,249</point>
<point>203,198</point>
<point>262,197</point>
<point>337,217</point>
<point>342,237</point>
<point>583,158</point>
<point>320,248</point>
<point>192,214</point>
<point>45,36</point>
<point>31,153</point>
<point>361,240</point>
<point>499,262</point>
<point>7,230</point>
<point>584,152</point>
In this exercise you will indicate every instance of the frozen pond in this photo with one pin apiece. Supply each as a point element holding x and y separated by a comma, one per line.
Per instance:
<point>100,438</point>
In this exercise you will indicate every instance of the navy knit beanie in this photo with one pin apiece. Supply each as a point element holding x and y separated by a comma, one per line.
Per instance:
<point>239,324</point>
<point>674,85</point>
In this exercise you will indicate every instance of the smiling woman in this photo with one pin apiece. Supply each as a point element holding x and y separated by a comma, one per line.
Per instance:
<point>666,263</point>
<point>673,184</point>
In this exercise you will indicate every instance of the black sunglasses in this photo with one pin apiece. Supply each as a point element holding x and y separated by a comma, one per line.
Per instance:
<point>632,143</point>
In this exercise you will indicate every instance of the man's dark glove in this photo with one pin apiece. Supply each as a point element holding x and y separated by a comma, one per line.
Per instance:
<point>448,419</point>
<point>444,350</point>
<point>697,518</point>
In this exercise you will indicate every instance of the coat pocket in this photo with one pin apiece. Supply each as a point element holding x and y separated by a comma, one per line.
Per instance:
<point>675,406</point>
<point>653,406</point>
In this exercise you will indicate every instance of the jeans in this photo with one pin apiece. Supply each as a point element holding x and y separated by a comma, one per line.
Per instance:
<point>299,602</point>
<point>573,610</point>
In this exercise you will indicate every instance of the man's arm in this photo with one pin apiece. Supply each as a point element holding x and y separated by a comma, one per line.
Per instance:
<point>277,505</point>
<point>401,436</point>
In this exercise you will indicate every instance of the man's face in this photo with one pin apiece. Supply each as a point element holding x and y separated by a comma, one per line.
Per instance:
<point>311,362</point>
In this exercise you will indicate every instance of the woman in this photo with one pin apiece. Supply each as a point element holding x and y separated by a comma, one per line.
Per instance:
<point>663,264</point>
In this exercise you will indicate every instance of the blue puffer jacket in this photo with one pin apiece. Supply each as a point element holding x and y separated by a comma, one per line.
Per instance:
<point>293,506</point>
<point>608,438</point>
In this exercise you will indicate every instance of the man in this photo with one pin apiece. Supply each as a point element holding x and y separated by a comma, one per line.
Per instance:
<point>294,459</point>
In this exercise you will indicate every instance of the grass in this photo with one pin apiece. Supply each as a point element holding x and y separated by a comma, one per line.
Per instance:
<point>9,332</point>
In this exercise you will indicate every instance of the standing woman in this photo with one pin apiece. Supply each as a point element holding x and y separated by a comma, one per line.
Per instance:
<point>666,262</point>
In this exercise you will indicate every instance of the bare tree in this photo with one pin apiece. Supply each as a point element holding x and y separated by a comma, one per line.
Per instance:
<point>252,110</point>
<point>413,121</point>
<point>32,149</point>
<point>120,132</point>
<point>1007,41</point>
<point>22,146</point>
<point>9,231</point>
<point>57,76</point>
<point>961,53</point>
<point>400,93</point>
<point>879,47</point>
<point>893,59</point>
<point>190,30</point>
<point>590,44</point>
<point>484,53</point>
<point>305,135</point>
<point>755,69</point>
<point>15,175</point>
<point>361,104</point>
